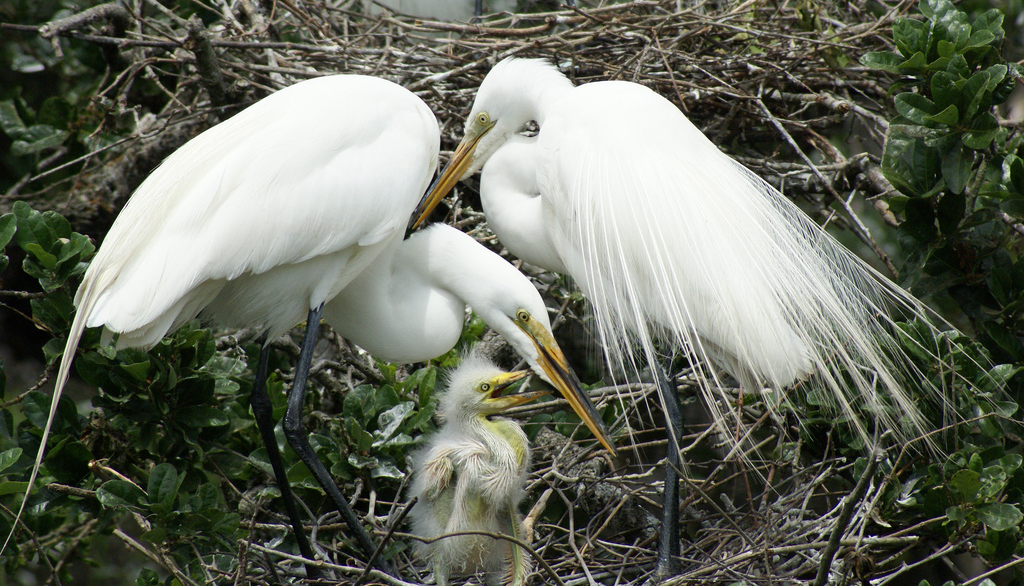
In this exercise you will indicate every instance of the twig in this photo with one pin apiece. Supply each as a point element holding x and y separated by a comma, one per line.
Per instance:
<point>849,506</point>
<point>198,41</point>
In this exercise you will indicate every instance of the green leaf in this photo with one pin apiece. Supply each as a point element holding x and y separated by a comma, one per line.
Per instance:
<point>1004,338</point>
<point>1006,408</point>
<point>991,21</point>
<point>979,39</point>
<point>10,121</point>
<point>915,107</point>
<point>946,49</point>
<point>999,516</point>
<point>32,228</point>
<point>387,470</point>
<point>914,64</point>
<point>967,483</point>
<point>45,258</point>
<point>200,416</point>
<point>958,67</point>
<point>884,60</point>
<point>920,220</point>
<point>390,420</point>
<point>12,487</point>
<point>163,484</point>
<point>148,577</point>
<point>8,226</point>
<point>909,35</point>
<point>976,95</point>
<point>956,514</point>
<point>121,493</point>
<point>1010,463</point>
<point>945,91</point>
<point>69,462</point>
<point>49,139</point>
<point>139,370</point>
<point>956,166</point>
<point>53,349</point>
<point>36,407</point>
<point>950,116</point>
<point>9,457</point>
<point>984,128</point>
<point>908,163</point>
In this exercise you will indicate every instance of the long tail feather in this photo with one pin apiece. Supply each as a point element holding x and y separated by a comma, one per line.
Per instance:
<point>63,372</point>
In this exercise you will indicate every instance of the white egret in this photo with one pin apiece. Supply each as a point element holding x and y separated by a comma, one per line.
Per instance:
<point>673,242</point>
<point>470,477</point>
<point>263,219</point>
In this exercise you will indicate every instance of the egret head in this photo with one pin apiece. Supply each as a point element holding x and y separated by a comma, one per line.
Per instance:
<point>508,302</point>
<point>511,95</point>
<point>478,388</point>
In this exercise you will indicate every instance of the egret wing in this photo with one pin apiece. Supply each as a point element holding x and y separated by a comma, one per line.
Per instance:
<point>669,237</point>
<point>315,169</point>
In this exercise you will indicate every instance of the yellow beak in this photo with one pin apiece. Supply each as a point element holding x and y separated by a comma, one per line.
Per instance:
<point>557,371</point>
<point>450,175</point>
<point>497,402</point>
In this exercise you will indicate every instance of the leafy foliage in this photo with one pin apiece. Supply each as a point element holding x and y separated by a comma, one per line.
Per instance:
<point>171,440</point>
<point>958,170</point>
<point>959,175</point>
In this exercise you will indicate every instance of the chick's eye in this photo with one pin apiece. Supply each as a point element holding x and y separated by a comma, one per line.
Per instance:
<point>485,387</point>
<point>523,315</point>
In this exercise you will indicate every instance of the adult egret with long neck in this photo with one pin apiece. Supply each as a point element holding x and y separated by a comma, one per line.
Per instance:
<point>470,477</point>
<point>267,219</point>
<point>676,245</point>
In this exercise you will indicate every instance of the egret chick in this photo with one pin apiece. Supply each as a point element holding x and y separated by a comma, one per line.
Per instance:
<point>470,477</point>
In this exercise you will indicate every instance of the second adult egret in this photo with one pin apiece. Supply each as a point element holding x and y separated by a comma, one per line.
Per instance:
<point>673,242</point>
<point>294,208</point>
<point>470,477</point>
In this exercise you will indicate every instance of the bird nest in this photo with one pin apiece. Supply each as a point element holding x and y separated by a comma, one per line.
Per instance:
<point>777,85</point>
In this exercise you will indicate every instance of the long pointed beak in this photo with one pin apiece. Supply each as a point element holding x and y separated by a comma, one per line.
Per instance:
<point>497,402</point>
<point>557,372</point>
<point>450,175</point>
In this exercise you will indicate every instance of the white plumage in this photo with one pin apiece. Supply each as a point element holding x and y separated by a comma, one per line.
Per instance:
<point>673,242</point>
<point>227,207</point>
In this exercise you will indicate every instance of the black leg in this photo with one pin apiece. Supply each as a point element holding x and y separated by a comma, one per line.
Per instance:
<point>668,539</point>
<point>263,410</point>
<point>299,441</point>
<point>478,8</point>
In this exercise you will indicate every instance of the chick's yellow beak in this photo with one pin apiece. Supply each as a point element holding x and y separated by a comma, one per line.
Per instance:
<point>450,175</point>
<point>557,372</point>
<point>497,402</point>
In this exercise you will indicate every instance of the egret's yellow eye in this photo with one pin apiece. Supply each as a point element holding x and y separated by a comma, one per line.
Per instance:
<point>523,316</point>
<point>485,387</point>
<point>483,118</point>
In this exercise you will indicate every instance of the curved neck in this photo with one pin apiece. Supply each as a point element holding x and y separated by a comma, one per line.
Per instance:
<point>395,310</point>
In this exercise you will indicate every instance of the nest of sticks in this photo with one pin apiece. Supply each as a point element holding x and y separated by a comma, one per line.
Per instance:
<point>775,85</point>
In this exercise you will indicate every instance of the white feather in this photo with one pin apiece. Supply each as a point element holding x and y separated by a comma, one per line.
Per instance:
<point>671,240</point>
